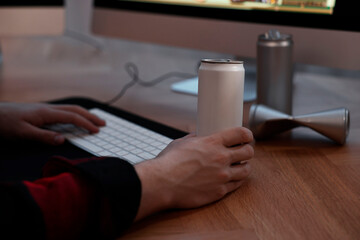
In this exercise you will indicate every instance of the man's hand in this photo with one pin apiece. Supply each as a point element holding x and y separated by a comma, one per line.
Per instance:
<point>194,171</point>
<point>24,121</point>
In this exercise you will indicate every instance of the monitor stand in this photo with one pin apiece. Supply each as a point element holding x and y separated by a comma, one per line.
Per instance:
<point>190,86</point>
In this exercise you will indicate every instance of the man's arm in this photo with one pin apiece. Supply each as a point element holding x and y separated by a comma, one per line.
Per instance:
<point>96,197</point>
<point>103,196</point>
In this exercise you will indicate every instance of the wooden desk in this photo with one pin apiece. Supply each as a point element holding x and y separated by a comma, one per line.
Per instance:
<point>301,187</point>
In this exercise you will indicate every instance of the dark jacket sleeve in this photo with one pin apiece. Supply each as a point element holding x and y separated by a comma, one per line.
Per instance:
<point>76,199</point>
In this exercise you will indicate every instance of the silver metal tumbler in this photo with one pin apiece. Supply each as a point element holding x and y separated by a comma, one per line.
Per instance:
<point>275,70</point>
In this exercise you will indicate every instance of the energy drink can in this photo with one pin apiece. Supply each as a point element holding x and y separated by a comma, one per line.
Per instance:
<point>220,95</point>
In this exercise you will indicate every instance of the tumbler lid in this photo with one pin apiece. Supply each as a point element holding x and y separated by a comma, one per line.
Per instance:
<point>274,35</point>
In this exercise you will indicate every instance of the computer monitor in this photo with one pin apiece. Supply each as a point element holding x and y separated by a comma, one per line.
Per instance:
<point>325,32</point>
<point>328,38</point>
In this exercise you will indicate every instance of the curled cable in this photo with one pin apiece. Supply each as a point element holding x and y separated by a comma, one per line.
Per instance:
<point>133,72</point>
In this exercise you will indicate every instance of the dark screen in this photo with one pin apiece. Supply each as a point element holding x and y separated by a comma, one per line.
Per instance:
<point>343,16</point>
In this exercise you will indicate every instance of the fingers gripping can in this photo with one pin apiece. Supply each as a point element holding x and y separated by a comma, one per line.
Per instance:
<point>220,95</point>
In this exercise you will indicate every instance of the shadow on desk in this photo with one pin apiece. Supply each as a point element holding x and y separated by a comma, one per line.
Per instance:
<point>170,228</point>
<point>222,235</point>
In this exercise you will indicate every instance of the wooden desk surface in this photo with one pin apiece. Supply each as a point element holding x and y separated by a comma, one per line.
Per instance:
<point>302,186</point>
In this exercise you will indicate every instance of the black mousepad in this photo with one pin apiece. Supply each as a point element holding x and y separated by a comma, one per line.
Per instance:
<point>24,160</point>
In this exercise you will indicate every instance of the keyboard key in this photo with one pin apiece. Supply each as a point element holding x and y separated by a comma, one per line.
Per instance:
<point>133,158</point>
<point>146,155</point>
<point>104,154</point>
<point>88,145</point>
<point>137,151</point>
<point>149,148</point>
<point>155,152</point>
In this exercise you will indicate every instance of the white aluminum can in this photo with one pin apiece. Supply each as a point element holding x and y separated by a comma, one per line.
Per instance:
<point>220,95</point>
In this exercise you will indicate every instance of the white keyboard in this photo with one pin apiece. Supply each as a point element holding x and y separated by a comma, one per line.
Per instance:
<point>119,138</point>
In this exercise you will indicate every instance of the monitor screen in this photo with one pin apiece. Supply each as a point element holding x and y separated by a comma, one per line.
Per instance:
<point>312,6</point>
<point>328,14</point>
<point>325,32</point>
<point>304,6</point>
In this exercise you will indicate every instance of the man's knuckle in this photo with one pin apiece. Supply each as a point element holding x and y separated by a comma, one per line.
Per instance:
<point>77,108</point>
<point>73,118</point>
<point>41,110</point>
<point>246,170</point>
<point>224,176</point>
<point>247,135</point>
<point>249,151</point>
<point>221,157</point>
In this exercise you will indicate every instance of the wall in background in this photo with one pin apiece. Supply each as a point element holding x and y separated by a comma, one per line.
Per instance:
<point>25,21</point>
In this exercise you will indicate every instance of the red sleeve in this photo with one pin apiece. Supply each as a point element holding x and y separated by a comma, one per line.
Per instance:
<point>87,198</point>
<point>64,201</point>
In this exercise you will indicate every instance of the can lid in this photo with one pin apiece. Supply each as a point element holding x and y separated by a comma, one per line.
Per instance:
<point>222,61</point>
<point>274,35</point>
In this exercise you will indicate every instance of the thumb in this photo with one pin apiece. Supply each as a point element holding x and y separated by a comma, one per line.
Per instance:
<point>43,135</point>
